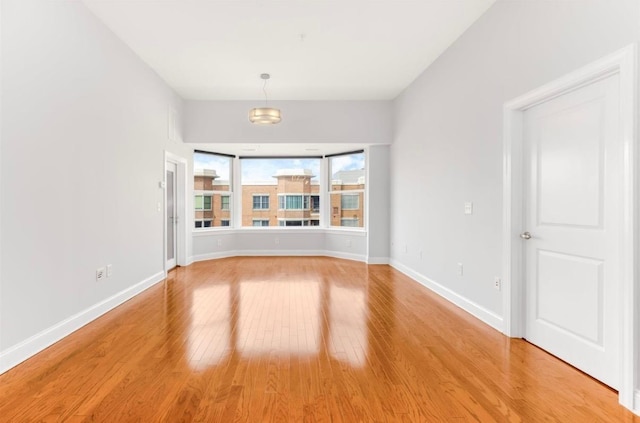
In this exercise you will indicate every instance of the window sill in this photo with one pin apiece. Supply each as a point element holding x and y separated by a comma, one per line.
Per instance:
<point>272,229</point>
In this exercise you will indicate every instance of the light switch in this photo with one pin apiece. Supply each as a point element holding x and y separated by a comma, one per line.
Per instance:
<point>468,207</point>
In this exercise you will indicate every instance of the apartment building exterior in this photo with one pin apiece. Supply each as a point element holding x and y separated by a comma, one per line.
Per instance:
<point>291,199</point>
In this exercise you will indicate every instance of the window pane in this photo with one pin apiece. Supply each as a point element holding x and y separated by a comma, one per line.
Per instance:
<point>198,202</point>
<point>349,222</point>
<point>224,202</point>
<point>279,188</point>
<point>261,202</point>
<point>350,201</point>
<point>347,174</point>
<point>347,207</point>
<point>212,187</point>
<point>211,172</point>
<point>293,202</point>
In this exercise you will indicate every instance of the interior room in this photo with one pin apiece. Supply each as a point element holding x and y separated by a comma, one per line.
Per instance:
<point>436,202</point>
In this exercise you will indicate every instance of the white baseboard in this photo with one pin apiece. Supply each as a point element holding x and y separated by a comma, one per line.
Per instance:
<point>346,256</point>
<point>18,353</point>
<point>213,256</point>
<point>487,316</point>
<point>378,260</point>
<point>278,253</point>
<point>636,402</point>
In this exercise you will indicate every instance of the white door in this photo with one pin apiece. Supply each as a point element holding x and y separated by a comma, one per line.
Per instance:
<point>171,215</point>
<point>573,162</point>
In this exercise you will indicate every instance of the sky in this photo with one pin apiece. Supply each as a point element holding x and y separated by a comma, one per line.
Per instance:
<point>262,170</point>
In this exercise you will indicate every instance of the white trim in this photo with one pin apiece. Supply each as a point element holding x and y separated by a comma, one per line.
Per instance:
<point>487,316</point>
<point>20,352</point>
<point>624,63</point>
<point>378,260</point>
<point>636,403</point>
<point>184,217</point>
<point>224,230</point>
<point>346,256</point>
<point>213,256</point>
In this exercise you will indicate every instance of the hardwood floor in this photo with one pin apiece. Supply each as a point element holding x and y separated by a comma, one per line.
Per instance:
<point>268,339</point>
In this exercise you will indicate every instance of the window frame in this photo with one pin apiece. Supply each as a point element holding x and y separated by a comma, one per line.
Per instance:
<point>344,194</point>
<point>321,215</point>
<point>212,193</point>
<point>362,205</point>
<point>261,201</point>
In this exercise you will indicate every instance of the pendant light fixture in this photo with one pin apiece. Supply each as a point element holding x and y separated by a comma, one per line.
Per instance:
<point>265,115</point>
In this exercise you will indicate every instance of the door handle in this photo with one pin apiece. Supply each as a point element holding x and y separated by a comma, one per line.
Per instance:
<point>525,235</point>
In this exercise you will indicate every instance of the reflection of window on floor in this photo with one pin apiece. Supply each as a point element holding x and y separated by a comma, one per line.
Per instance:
<point>348,337</point>
<point>295,306</point>
<point>206,223</point>
<point>260,222</point>
<point>209,320</point>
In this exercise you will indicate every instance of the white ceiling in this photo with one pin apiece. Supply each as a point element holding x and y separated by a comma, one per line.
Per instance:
<point>313,49</point>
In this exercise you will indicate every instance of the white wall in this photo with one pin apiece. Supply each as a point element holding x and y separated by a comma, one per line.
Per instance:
<point>448,135</point>
<point>368,122</point>
<point>83,139</point>
<point>379,181</point>
<point>275,241</point>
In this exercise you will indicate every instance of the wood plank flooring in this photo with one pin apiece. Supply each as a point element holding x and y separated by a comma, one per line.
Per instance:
<point>305,339</point>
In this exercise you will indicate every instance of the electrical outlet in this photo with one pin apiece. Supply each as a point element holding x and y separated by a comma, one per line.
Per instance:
<point>101,273</point>
<point>497,283</point>
<point>460,269</point>
<point>109,270</point>
<point>468,207</point>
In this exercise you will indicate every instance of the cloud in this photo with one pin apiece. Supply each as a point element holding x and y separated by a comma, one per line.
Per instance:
<point>263,170</point>
<point>349,162</point>
<point>221,164</point>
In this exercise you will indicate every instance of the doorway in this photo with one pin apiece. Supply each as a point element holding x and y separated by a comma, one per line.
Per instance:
<point>569,220</point>
<point>171,212</point>
<point>176,247</point>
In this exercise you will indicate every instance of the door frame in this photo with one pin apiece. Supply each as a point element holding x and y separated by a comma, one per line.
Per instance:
<point>181,210</point>
<point>623,63</point>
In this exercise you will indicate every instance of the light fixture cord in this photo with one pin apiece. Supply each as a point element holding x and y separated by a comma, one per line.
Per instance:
<point>264,90</point>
